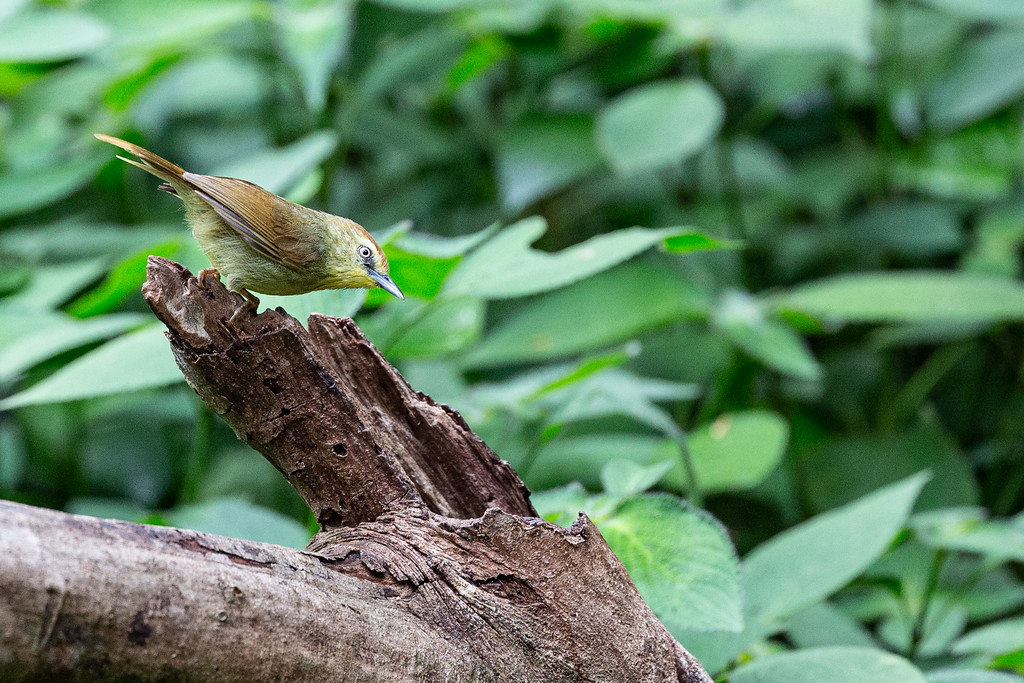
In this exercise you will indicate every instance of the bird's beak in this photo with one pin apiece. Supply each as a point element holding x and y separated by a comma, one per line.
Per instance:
<point>386,283</point>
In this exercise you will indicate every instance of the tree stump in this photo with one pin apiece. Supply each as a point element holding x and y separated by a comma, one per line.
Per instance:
<point>430,563</point>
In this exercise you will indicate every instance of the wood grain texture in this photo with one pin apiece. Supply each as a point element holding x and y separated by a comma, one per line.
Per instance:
<point>430,564</point>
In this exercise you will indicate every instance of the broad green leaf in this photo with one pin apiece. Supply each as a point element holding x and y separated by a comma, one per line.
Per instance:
<point>122,281</point>
<point>680,559</point>
<point>582,458</point>
<point>738,450</point>
<point>204,85</point>
<point>340,303</point>
<point>239,519</point>
<point>276,170</point>
<point>505,266</point>
<point>157,26</point>
<point>624,478</point>
<point>919,296</point>
<point>978,83</point>
<point>50,35</point>
<point>841,469</point>
<point>138,360</point>
<point>795,26</point>
<point>740,318</point>
<point>537,159</point>
<point>982,10</point>
<point>50,340</point>
<point>961,530</point>
<point>832,664</point>
<point>561,505</point>
<point>51,286</point>
<point>312,37</point>
<point>22,191</point>
<point>659,123</point>
<point>567,322</point>
<point>966,675</point>
<point>448,325</point>
<point>824,625</point>
<point>618,392</point>
<point>1001,637</point>
<point>818,557</point>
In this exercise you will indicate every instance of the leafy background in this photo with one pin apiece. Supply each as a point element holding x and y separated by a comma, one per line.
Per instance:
<point>740,278</point>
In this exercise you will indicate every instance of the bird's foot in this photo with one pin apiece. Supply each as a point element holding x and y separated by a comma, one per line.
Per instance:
<point>250,305</point>
<point>204,272</point>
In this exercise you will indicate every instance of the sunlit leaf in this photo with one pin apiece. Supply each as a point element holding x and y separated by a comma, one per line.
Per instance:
<point>738,450</point>
<point>278,169</point>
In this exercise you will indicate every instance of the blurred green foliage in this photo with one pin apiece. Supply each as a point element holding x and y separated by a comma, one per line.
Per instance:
<point>823,303</point>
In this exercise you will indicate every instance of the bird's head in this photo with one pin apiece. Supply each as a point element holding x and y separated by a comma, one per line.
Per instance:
<point>360,262</point>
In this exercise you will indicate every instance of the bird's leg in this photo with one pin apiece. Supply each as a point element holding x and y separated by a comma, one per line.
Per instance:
<point>204,272</point>
<point>251,303</point>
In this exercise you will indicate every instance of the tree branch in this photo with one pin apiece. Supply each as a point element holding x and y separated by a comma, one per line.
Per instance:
<point>429,565</point>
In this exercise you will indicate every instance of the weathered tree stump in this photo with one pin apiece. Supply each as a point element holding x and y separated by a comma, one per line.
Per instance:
<point>430,564</point>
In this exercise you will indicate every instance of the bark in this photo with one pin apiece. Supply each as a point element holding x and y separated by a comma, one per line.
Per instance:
<point>430,564</point>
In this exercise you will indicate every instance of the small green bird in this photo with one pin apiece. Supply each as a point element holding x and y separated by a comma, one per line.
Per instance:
<point>263,243</point>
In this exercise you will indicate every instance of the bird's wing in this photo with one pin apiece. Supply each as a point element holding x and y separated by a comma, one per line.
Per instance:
<point>257,216</point>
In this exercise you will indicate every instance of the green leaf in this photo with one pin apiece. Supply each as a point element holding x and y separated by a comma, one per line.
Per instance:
<point>961,530</point>
<point>51,286</point>
<point>50,340</point>
<point>832,664</point>
<point>841,469</point>
<point>818,557</point>
<point>239,519</point>
<point>919,296</point>
<point>795,26</point>
<point>979,83</point>
<point>50,35</point>
<point>623,478</point>
<point>337,302</point>
<point>561,505</point>
<point>122,281</point>
<point>659,123</point>
<point>538,158</point>
<point>505,266</point>
<point>982,10</point>
<point>312,37</point>
<point>448,326</point>
<point>156,26</point>
<point>824,625</point>
<point>582,458</point>
<point>566,322</point>
<point>138,360</point>
<point>22,191</point>
<point>695,241</point>
<point>738,450</point>
<point>680,559</point>
<point>739,316</point>
<point>971,676</point>
<point>998,638</point>
<point>279,169</point>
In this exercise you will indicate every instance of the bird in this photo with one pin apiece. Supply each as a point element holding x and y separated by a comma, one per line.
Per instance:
<point>263,243</point>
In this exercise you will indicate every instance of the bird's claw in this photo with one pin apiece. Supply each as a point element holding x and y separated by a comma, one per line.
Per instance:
<point>250,305</point>
<point>204,272</point>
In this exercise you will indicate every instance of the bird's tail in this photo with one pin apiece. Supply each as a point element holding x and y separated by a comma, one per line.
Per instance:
<point>148,161</point>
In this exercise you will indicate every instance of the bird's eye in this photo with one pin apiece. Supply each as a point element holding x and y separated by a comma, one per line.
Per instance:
<point>363,251</point>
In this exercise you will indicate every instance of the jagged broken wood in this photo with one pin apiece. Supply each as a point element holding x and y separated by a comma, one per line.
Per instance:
<point>430,564</point>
